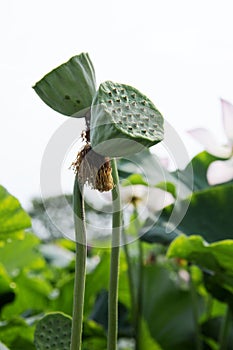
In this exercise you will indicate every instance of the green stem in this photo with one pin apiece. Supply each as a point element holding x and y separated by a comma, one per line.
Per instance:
<point>195,312</point>
<point>80,266</point>
<point>223,339</point>
<point>130,276</point>
<point>139,297</point>
<point>114,268</point>
<point>209,307</point>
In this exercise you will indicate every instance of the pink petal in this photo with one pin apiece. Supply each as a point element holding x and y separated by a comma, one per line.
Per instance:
<point>227,114</point>
<point>164,162</point>
<point>220,171</point>
<point>208,140</point>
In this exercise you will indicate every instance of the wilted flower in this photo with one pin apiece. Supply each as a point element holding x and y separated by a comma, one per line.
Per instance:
<point>221,170</point>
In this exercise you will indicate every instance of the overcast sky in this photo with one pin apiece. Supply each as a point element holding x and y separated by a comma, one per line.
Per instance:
<point>177,52</point>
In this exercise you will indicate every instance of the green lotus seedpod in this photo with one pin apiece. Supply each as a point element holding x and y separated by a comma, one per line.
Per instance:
<point>53,332</point>
<point>69,88</point>
<point>123,121</point>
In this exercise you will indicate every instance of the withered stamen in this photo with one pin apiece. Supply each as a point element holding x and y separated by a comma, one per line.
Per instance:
<point>93,169</point>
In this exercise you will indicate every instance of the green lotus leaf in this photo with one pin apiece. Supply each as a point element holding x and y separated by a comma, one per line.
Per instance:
<point>69,88</point>
<point>13,219</point>
<point>215,259</point>
<point>123,121</point>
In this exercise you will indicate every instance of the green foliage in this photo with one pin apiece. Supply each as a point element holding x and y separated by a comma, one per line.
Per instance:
<point>37,286</point>
<point>94,336</point>
<point>123,121</point>
<point>215,260</point>
<point>204,216</point>
<point>216,256</point>
<point>5,289</point>
<point>32,294</point>
<point>198,165</point>
<point>167,306</point>
<point>26,254</point>
<point>69,89</point>
<point>146,341</point>
<point>13,220</point>
<point>17,334</point>
<point>134,179</point>
<point>192,178</point>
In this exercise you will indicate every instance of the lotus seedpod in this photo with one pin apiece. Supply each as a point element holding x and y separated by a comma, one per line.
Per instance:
<point>53,332</point>
<point>123,121</point>
<point>69,88</point>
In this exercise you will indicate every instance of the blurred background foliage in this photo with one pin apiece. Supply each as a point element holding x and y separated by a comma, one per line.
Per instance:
<point>180,281</point>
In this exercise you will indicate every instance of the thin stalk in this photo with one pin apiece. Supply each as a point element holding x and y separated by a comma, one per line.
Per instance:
<point>130,276</point>
<point>209,307</point>
<point>224,332</point>
<point>136,293</point>
<point>195,313</point>
<point>138,317</point>
<point>114,268</point>
<point>80,266</point>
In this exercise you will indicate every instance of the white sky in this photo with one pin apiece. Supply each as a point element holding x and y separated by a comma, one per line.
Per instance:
<point>178,52</point>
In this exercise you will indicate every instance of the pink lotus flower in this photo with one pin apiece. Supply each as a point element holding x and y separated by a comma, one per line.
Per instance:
<point>221,170</point>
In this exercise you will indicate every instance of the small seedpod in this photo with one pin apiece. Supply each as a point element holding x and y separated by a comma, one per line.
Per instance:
<point>111,138</point>
<point>53,331</point>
